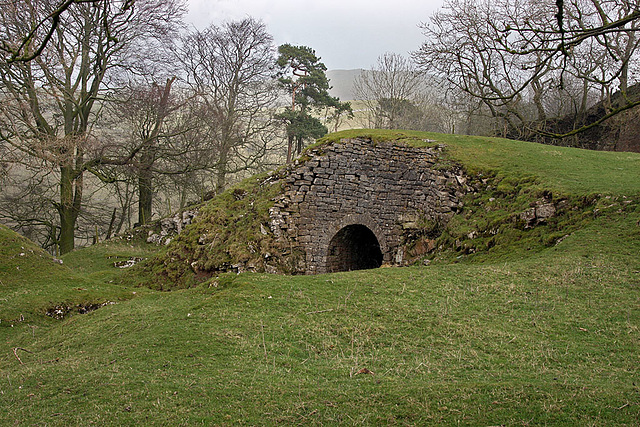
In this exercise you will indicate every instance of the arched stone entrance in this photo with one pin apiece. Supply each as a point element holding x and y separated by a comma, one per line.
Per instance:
<point>356,191</point>
<point>354,247</point>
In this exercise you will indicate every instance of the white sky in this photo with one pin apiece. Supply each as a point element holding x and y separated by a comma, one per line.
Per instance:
<point>346,34</point>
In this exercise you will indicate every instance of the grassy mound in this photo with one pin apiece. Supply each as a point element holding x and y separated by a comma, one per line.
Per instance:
<point>511,178</point>
<point>230,233</point>
<point>559,169</point>
<point>34,284</point>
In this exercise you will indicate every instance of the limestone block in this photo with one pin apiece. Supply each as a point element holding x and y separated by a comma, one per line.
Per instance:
<point>528,216</point>
<point>545,211</point>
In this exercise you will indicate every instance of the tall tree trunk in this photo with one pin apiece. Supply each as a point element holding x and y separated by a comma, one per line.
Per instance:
<point>538,93</point>
<point>300,145</point>
<point>148,157</point>
<point>624,71</point>
<point>68,208</point>
<point>221,173</point>
<point>289,148</point>
<point>584,102</point>
<point>145,189</point>
<point>111,223</point>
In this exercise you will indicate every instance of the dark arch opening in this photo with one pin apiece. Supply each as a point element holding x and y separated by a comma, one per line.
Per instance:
<point>355,247</point>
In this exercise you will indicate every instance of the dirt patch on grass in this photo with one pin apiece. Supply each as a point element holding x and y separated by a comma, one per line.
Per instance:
<point>60,311</point>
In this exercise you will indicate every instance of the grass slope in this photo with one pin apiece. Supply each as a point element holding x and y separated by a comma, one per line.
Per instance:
<point>551,339</point>
<point>228,231</point>
<point>32,282</point>
<point>549,336</point>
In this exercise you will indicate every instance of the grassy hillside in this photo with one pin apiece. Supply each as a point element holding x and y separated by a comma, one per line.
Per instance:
<point>525,337</point>
<point>33,283</point>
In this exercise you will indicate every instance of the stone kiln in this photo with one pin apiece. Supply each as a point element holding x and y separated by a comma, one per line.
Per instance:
<point>356,204</point>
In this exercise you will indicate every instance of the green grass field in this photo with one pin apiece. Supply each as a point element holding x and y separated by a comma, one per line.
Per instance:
<point>547,336</point>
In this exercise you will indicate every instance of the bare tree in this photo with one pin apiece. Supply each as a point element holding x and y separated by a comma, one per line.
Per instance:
<point>463,47</point>
<point>24,47</point>
<point>164,144</point>
<point>25,203</point>
<point>398,96</point>
<point>515,56</point>
<point>51,103</point>
<point>230,68</point>
<point>148,113</point>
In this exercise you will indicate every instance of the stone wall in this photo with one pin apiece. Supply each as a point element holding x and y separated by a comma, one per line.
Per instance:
<point>386,187</point>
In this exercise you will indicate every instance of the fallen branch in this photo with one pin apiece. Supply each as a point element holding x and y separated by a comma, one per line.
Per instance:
<point>15,353</point>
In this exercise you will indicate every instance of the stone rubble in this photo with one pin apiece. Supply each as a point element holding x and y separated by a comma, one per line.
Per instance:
<point>170,227</point>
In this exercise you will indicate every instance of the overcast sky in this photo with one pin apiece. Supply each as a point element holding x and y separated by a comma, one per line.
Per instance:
<point>346,34</point>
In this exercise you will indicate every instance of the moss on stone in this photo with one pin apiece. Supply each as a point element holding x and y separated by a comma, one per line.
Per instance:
<point>231,233</point>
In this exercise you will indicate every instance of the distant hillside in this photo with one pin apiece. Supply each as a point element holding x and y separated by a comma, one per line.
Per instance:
<point>342,83</point>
